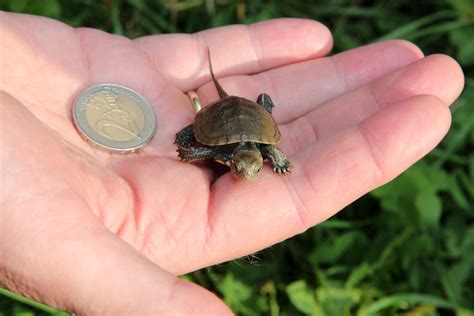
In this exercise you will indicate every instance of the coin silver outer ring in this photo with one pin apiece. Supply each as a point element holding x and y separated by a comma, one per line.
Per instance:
<point>92,136</point>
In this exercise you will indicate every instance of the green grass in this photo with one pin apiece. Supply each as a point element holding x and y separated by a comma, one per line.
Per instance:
<point>405,248</point>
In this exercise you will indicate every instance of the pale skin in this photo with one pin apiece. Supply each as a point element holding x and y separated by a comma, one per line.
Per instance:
<point>95,233</point>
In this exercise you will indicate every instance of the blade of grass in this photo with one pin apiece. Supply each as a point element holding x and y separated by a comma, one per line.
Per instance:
<point>115,15</point>
<point>455,143</point>
<point>410,298</point>
<point>152,15</point>
<point>330,10</point>
<point>405,30</point>
<point>34,304</point>
<point>390,248</point>
<point>341,224</point>
<point>437,29</point>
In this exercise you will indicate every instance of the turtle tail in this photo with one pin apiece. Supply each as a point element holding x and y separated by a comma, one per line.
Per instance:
<point>219,88</point>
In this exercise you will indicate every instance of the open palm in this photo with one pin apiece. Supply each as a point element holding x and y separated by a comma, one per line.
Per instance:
<point>349,123</point>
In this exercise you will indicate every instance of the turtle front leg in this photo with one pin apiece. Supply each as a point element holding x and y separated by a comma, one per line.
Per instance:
<point>192,154</point>
<point>276,158</point>
<point>265,101</point>
<point>185,137</point>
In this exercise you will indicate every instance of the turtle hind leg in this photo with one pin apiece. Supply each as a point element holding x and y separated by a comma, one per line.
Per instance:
<point>265,101</point>
<point>276,158</point>
<point>185,137</point>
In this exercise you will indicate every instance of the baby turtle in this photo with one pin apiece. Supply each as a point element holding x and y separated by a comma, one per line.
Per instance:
<point>236,132</point>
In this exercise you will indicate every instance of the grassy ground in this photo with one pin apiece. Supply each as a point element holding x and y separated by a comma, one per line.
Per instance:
<point>416,233</point>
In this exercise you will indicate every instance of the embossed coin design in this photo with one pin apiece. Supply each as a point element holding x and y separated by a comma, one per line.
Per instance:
<point>114,117</point>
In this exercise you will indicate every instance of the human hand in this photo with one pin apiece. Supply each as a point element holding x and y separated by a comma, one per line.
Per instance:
<point>92,232</point>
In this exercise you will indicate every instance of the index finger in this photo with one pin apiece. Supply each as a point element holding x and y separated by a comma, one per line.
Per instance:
<point>235,49</point>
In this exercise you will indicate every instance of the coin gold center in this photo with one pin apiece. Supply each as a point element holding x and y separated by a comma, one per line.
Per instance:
<point>115,117</point>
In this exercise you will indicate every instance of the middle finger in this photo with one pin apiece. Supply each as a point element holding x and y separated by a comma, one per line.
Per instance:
<point>436,75</point>
<point>296,89</point>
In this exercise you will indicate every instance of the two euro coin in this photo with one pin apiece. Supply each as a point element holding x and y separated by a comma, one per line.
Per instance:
<point>114,118</point>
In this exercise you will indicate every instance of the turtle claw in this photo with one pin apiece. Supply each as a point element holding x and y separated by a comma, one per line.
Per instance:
<point>283,168</point>
<point>184,142</point>
<point>184,154</point>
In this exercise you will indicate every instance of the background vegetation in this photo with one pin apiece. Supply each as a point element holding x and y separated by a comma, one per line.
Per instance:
<point>406,248</point>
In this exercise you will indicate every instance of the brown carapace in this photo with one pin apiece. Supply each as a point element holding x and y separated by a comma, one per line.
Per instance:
<point>236,132</point>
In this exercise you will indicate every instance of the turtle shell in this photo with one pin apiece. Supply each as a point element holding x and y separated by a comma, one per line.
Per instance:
<point>233,120</point>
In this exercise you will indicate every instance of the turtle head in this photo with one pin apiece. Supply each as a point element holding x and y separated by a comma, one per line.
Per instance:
<point>246,162</point>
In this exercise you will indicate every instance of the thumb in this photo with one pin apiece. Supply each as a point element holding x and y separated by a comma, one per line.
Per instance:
<point>55,250</point>
<point>102,275</point>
